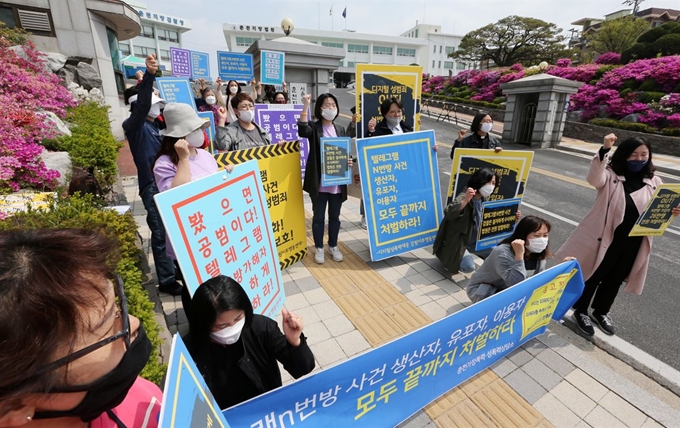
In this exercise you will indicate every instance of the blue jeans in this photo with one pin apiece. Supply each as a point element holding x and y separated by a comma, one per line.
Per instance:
<point>165,268</point>
<point>467,263</point>
<point>334,203</point>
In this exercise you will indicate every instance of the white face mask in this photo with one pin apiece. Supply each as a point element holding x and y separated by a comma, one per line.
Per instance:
<point>195,139</point>
<point>393,121</point>
<point>486,190</point>
<point>233,89</point>
<point>246,115</point>
<point>229,335</point>
<point>155,110</point>
<point>537,245</point>
<point>210,100</point>
<point>486,127</point>
<point>329,113</point>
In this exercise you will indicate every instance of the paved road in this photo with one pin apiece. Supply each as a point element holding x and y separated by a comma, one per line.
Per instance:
<point>557,191</point>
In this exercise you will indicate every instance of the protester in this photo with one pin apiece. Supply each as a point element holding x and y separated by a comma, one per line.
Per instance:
<point>515,259</point>
<point>625,183</point>
<point>280,98</point>
<point>480,137</point>
<point>462,218</point>
<point>71,354</point>
<point>142,133</point>
<point>325,112</point>
<point>210,102</point>
<point>244,132</point>
<point>236,350</point>
<point>233,89</point>
<point>199,100</point>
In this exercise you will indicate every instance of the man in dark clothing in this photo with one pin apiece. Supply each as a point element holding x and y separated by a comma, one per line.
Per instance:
<point>141,132</point>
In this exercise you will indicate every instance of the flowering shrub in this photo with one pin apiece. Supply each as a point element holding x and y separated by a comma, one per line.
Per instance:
<point>671,101</point>
<point>563,62</point>
<point>608,58</point>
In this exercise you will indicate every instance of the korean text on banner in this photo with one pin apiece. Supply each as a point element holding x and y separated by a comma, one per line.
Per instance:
<point>180,62</point>
<point>235,66</point>
<point>280,175</point>
<point>174,90</point>
<point>272,67</point>
<point>386,385</point>
<point>657,216</point>
<point>512,167</point>
<point>377,83</point>
<point>280,120</point>
<point>200,65</point>
<point>208,115</point>
<point>335,155</point>
<point>220,225</point>
<point>400,185</point>
<point>187,401</point>
<point>296,91</point>
<point>498,222</point>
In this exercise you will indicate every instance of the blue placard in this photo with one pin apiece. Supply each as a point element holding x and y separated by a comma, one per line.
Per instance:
<point>200,65</point>
<point>220,225</point>
<point>180,62</point>
<point>235,66</point>
<point>498,222</point>
<point>400,186</point>
<point>335,155</point>
<point>176,90</point>
<point>386,385</point>
<point>272,67</point>
<point>208,115</point>
<point>187,401</point>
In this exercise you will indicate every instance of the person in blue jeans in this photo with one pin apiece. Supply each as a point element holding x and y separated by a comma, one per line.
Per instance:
<point>142,134</point>
<point>325,112</point>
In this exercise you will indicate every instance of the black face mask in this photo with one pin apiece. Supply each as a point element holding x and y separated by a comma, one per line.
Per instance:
<point>109,391</point>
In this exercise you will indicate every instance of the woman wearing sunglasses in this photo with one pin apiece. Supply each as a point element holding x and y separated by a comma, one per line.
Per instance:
<point>70,354</point>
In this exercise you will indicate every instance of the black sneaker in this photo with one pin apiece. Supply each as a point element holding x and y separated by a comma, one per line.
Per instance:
<point>174,288</point>
<point>583,322</point>
<point>604,322</point>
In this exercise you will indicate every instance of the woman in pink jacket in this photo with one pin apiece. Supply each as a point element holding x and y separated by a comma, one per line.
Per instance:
<point>625,183</point>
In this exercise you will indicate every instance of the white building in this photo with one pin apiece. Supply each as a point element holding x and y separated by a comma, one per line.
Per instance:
<point>435,58</point>
<point>159,33</point>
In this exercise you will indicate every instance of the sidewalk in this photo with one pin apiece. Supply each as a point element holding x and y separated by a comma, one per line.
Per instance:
<point>557,379</point>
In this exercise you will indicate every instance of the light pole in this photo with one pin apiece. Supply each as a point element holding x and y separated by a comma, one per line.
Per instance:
<point>287,26</point>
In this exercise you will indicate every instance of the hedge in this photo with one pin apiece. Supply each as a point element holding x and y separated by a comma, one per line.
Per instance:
<point>629,126</point>
<point>462,101</point>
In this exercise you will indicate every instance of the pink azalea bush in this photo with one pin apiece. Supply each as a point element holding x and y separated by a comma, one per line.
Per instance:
<point>608,58</point>
<point>25,87</point>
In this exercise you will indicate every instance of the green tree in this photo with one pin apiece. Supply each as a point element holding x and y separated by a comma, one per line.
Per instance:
<point>514,39</point>
<point>663,40</point>
<point>617,35</point>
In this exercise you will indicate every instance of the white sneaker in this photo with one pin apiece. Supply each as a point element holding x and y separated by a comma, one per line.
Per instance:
<point>363,222</point>
<point>335,252</point>
<point>319,256</point>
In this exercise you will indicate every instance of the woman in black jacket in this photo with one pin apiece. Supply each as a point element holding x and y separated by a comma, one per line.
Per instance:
<point>237,351</point>
<point>480,138</point>
<point>325,112</point>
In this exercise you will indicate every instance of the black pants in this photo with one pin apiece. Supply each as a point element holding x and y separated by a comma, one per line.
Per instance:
<point>605,282</point>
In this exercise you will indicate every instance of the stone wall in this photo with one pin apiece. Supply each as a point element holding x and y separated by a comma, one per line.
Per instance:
<point>594,133</point>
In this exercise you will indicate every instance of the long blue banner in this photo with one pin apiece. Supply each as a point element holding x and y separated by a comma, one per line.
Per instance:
<point>400,186</point>
<point>386,385</point>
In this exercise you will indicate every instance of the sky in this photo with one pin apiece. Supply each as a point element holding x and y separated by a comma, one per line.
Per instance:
<point>391,17</point>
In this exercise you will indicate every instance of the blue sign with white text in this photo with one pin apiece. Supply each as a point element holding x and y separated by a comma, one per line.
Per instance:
<point>400,186</point>
<point>386,385</point>
<point>200,65</point>
<point>176,90</point>
<point>272,67</point>
<point>208,115</point>
<point>498,222</point>
<point>335,155</point>
<point>235,66</point>
<point>187,401</point>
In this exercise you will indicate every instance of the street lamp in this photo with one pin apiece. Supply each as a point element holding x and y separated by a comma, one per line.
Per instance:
<point>287,26</point>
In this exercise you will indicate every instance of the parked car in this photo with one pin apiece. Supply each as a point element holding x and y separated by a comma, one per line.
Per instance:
<point>351,85</point>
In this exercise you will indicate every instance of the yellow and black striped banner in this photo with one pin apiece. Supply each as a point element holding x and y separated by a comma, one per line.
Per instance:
<point>281,178</point>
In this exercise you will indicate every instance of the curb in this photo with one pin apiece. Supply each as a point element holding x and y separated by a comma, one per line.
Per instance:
<point>663,169</point>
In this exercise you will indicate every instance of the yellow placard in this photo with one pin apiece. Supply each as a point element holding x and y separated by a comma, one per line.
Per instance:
<point>512,167</point>
<point>657,216</point>
<point>543,302</point>
<point>281,178</point>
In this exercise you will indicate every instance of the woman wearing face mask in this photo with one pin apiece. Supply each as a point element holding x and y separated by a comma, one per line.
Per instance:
<point>210,99</point>
<point>480,137</point>
<point>233,89</point>
<point>325,112</point>
<point>244,132</point>
<point>515,259</point>
<point>457,235</point>
<point>237,351</point>
<point>625,183</point>
<point>280,98</point>
<point>71,354</point>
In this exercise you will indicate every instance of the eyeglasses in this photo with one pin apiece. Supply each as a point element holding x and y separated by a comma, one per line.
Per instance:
<point>246,107</point>
<point>124,334</point>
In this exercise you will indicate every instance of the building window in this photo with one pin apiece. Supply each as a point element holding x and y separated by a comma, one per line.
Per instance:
<point>351,64</point>
<point>35,20</point>
<point>143,52</point>
<point>460,66</point>
<point>450,49</point>
<point>357,48</point>
<point>448,65</point>
<point>147,31</point>
<point>432,63</point>
<point>114,50</point>
<point>406,52</point>
<point>342,63</point>
<point>656,24</point>
<point>382,50</point>
<point>169,35</point>
<point>416,34</point>
<point>440,48</point>
<point>440,64</point>
<point>245,41</point>
<point>165,55</point>
<point>333,45</point>
<point>124,48</point>
<point>434,48</point>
